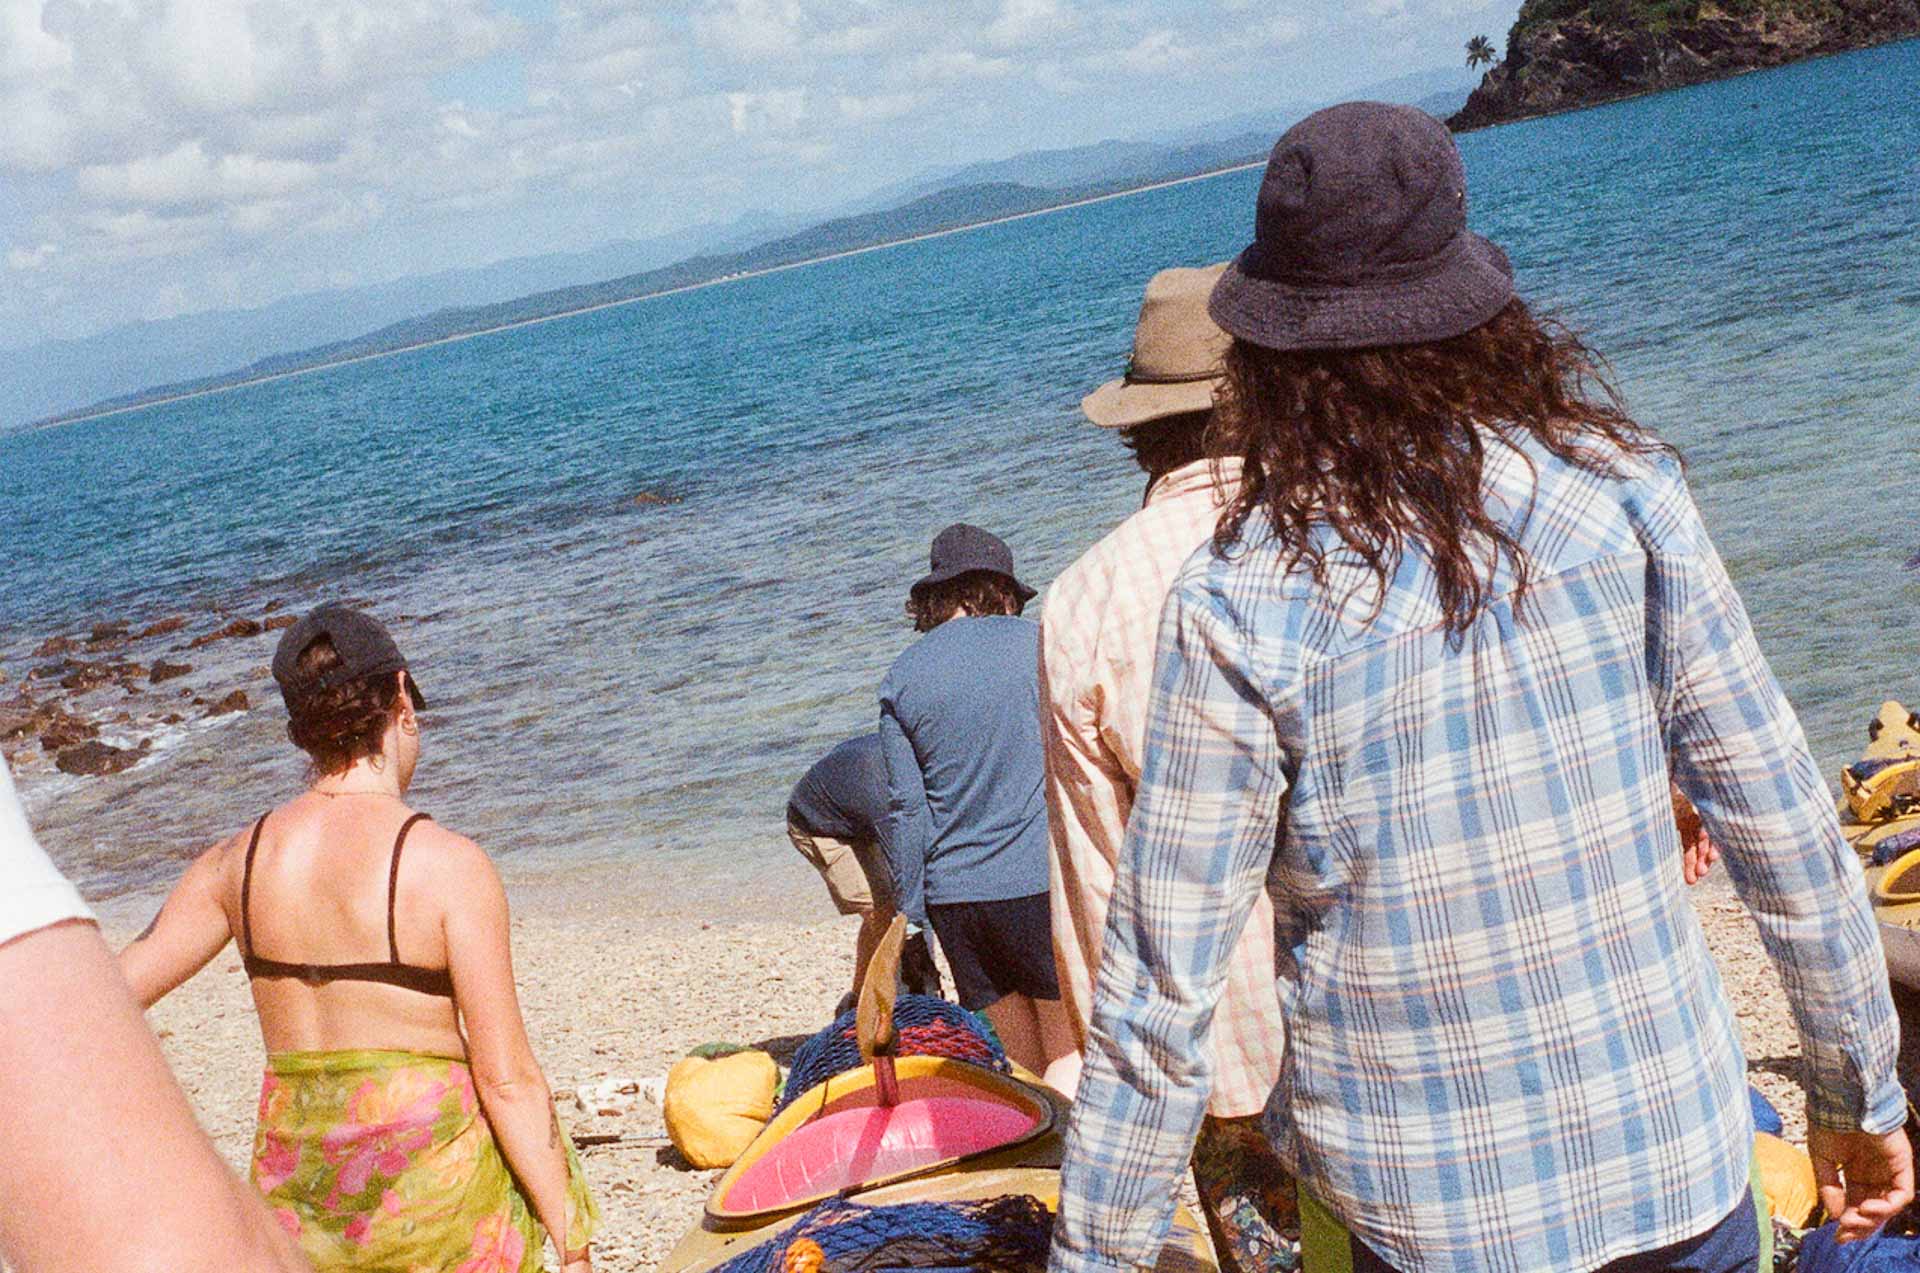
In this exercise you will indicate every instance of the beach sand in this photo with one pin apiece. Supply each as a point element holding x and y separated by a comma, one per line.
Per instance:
<point>617,982</point>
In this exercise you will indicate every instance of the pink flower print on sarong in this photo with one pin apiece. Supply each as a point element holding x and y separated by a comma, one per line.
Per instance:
<point>387,1124</point>
<point>275,1163</point>
<point>273,1097</point>
<point>288,1220</point>
<point>358,1228</point>
<point>497,1247</point>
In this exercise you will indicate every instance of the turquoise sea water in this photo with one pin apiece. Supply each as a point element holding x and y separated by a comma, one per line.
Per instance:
<point>642,683</point>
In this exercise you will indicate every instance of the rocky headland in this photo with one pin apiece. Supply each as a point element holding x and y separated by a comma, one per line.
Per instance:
<point>1566,54</point>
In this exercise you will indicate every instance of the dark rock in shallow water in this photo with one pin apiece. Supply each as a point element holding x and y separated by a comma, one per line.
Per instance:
<point>84,677</point>
<point>17,720</point>
<point>234,702</point>
<point>96,759</point>
<point>164,627</point>
<point>60,729</point>
<point>272,605</point>
<point>54,646</point>
<point>21,718</point>
<point>278,622</point>
<point>237,628</point>
<point>165,671</point>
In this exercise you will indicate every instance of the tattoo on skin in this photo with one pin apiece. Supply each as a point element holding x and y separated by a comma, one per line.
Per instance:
<point>553,1129</point>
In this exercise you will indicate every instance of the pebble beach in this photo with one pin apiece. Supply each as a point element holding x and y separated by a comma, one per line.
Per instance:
<point>617,986</point>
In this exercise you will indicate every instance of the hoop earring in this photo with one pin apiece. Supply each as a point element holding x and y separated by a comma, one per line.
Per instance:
<point>377,762</point>
<point>409,726</point>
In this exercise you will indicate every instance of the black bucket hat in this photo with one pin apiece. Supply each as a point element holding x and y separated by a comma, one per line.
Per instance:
<point>961,549</point>
<point>362,642</point>
<point>1360,239</point>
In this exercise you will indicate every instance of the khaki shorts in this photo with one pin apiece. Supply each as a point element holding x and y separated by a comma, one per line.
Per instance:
<point>856,871</point>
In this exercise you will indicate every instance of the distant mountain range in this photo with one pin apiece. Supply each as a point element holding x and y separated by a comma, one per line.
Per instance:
<point>119,369</point>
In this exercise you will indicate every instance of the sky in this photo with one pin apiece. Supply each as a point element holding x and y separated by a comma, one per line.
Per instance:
<point>162,157</point>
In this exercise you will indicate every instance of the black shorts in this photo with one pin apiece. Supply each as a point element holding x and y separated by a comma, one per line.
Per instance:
<point>997,948</point>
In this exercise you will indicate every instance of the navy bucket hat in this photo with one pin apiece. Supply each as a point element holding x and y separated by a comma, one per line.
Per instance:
<point>1361,239</point>
<point>961,549</point>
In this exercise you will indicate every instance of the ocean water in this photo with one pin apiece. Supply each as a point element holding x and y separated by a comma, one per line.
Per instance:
<point>640,683</point>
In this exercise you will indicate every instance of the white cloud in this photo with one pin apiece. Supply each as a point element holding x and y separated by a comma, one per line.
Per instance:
<point>33,258</point>
<point>880,106</point>
<point>779,110</point>
<point>1276,32</point>
<point>751,30</point>
<point>120,81</point>
<point>1158,53</point>
<point>1022,23</point>
<point>954,65</point>
<point>187,176</point>
<point>27,50</point>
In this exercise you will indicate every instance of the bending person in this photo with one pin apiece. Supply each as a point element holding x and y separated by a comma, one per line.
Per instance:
<point>1461,623</point>
<point>966,828</point>
<point>102,1167</point>
<point>403,1119</point>
<point>833,819</point>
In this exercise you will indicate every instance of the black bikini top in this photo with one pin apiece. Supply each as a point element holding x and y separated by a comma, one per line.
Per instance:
<point>428,981</point>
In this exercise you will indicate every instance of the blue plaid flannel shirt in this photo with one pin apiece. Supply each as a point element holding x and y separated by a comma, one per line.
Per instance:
<point>1508,1045</point>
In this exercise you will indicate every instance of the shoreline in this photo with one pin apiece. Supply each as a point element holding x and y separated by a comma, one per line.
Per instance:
<point>738,277</point>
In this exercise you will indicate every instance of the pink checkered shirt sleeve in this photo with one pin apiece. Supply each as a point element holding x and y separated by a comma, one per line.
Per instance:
<point>1101,620</point>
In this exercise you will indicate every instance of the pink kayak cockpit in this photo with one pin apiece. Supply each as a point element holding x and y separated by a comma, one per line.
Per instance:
<point>840,1135</point>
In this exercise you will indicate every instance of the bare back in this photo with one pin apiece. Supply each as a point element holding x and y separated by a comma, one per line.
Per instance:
<point>318,895</point>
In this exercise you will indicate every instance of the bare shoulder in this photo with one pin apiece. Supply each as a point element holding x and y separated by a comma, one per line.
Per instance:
<point>220,862</point>
<point>460,868</point>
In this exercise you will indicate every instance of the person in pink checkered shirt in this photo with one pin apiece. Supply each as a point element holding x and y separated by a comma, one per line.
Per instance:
<point>1097,646</point>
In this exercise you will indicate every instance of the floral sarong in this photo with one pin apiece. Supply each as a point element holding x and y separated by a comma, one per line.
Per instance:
<point>381,1162</point>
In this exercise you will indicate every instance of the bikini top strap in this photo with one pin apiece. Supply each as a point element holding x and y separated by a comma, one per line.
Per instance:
<point>393,885</point>
<point>246,891</point>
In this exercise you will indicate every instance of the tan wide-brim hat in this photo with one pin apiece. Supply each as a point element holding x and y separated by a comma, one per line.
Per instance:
<point>1177,350</point>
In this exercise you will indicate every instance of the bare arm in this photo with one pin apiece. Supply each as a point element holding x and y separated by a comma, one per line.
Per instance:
<point>102,1167</point>
<point>512,1089</point>
<point>191,928</point>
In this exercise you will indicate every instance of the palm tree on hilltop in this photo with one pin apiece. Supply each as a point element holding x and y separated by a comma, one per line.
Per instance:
<point>1480,52</point>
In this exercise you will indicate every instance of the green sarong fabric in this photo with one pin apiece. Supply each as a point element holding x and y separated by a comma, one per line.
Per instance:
<point>382,1162</point>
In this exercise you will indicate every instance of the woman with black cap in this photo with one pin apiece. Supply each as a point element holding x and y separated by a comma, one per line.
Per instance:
<point>404,1122</point>
<point>1461,624</point>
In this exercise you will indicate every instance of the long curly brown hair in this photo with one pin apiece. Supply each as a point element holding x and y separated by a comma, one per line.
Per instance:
<point>1379,445</point>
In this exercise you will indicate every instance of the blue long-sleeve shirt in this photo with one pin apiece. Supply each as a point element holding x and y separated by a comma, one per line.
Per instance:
<point>844,795</point>
<point>960,732</point>
<point>1507,1044</point>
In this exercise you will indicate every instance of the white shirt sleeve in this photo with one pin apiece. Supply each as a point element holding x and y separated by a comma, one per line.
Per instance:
<point>33,893</point>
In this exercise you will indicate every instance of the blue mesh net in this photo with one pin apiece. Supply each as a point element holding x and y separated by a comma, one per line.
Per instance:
<point>926,1027</point>
<point>1009,1234</point>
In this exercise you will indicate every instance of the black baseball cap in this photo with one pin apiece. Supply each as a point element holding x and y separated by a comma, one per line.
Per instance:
<point>362,642</point>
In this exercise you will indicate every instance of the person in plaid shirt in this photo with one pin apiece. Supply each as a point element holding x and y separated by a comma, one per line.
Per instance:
<point>1425,693</point>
